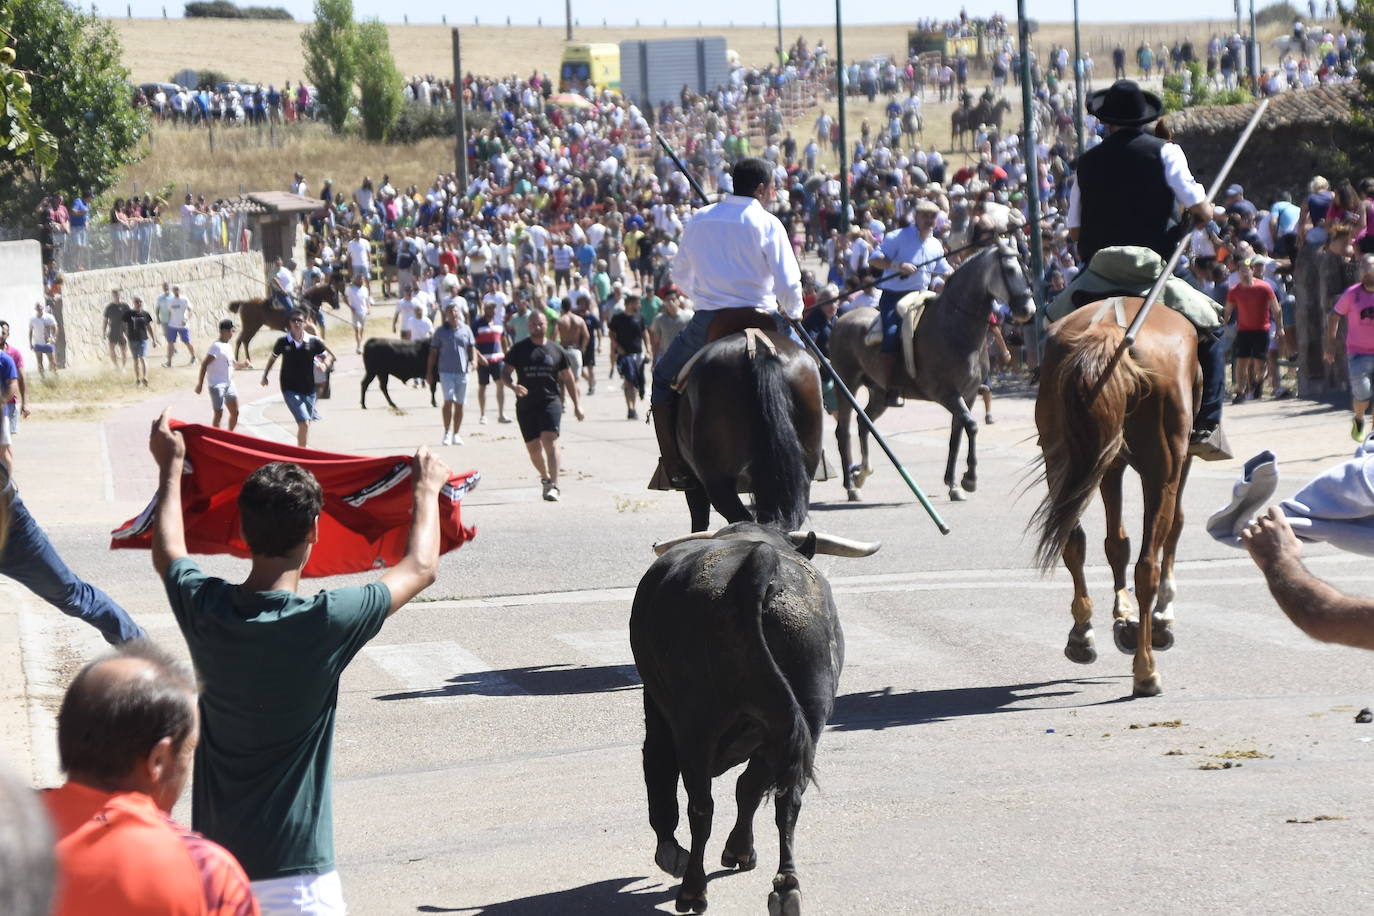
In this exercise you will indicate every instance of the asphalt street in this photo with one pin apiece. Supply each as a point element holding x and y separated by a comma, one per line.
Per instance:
<point>487,754</point>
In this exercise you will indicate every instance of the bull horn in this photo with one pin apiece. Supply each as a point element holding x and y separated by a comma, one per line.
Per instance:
<point>662,546</point>
<point>837,546</point>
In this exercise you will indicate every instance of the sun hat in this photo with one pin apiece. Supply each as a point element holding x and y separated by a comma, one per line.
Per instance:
<point>1125,104</point>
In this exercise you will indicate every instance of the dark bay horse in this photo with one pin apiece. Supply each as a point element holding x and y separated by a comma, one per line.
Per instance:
<point>1098,415</point>
<point>949,349</point>
<point>257,313</point>
<point>751,424</point>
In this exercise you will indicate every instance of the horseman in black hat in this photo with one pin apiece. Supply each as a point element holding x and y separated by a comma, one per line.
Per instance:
<point>1127,192</point>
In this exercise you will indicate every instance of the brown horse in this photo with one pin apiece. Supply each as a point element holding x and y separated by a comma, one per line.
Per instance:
<point>257,313</point>
<point>1099,413</point>
<point>752,423</point>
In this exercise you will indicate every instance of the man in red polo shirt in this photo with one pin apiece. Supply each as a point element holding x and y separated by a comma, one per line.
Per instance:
<point>126,735</point>
<point>1253,303</point>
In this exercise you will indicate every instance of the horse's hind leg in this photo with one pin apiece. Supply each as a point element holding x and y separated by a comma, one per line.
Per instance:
<point>874,408</point>
<point>724,496</point>
<point>1117,546</point>
<point>1161,501</point>
<point>1163,615</point>
<point>1079,648</point>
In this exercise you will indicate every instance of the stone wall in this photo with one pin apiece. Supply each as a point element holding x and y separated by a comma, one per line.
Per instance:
<point>210,283</point>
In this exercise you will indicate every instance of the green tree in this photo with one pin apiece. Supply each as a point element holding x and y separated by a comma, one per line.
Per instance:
<point>79,93</point>
<point>330,59</point>
<point>379,81</point>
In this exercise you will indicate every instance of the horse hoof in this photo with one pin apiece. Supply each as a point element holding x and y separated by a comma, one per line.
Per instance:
<point>1150,687</point>
<point>672,858</point>
<point>1080,653</point>
<point>743,861</point>
<point>956,495</point>
<point>1161,638</point>
<point>853,493</point>
<point>1124,635</point>
<point>694,902</point>
<point>785,899</point>
<point>970,484</point>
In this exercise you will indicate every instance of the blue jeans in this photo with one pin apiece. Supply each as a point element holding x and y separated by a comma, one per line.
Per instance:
<point>892,323</point>
<point>685,345</point>
<point>30,559</point>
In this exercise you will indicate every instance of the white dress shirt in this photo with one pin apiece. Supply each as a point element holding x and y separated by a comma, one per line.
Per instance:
<point>1186,189</point>
<point>735,254</point>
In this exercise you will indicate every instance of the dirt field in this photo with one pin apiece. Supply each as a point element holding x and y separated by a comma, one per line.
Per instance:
<point>271,51</point>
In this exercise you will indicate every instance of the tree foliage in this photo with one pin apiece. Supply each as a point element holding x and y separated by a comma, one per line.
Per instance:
<point>330,58</point>
<point>379,81</point>
<point>223,9</point>
<point>80,94</point>
<point>1199,91</point>
<point>1281,13</point>
<point>22,135</point>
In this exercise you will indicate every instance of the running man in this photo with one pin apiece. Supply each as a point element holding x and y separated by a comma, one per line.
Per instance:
<point>542,368</point>
<point>218,367</point>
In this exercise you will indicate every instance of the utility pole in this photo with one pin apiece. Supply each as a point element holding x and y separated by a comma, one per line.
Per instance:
<point>844,141</point>
<point>567,11</point>
<point>1254,55</point>
<point>782,55</point>
<point>1078,75</point>
<point>460,142</point>
<point>1032,171</point>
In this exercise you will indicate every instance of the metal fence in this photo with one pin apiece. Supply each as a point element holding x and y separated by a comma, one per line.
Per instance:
<point>110,245</point>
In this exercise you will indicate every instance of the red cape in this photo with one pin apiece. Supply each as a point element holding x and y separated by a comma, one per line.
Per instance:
<point>364,523</point>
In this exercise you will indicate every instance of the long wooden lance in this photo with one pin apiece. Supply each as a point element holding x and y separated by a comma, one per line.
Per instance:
<point>1158,288</point>
<point>815,351</point>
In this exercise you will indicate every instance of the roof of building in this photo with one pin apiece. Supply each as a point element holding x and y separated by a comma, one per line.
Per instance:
<point>1319,105</point>
<point>284,202</point>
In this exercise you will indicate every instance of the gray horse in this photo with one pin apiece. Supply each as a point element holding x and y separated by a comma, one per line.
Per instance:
<point>949,353</point>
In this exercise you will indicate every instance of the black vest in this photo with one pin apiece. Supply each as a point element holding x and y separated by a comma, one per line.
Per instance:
<point>1123,196</point>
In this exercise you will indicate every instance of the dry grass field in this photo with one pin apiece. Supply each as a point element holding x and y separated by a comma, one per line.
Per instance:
<point>271,51</point>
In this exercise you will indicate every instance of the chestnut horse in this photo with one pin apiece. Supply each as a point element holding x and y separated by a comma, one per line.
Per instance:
<point>750,422</point>
<point>257,313</point>
<point>1098,413</point>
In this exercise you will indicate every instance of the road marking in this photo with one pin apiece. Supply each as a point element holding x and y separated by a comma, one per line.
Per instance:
<point>38,639</point>
<point>106,469</point>
<point>253,420</point>
<point>435,671</point>
<point>608,647</point>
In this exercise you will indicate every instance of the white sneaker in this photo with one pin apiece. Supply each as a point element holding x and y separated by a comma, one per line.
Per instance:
<point>448,439</point>
<point>457,439</point>
<point>482,420</point>
<point>551,493</point>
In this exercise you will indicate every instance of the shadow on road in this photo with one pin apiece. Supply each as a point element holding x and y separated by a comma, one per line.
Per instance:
<point>604,898</point>
<point>536,680</point>
<point>837,504</point>
<point>881,709</point>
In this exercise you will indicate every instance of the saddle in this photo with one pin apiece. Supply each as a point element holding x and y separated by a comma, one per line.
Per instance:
<point>910,308</point>
<point>755,337</point>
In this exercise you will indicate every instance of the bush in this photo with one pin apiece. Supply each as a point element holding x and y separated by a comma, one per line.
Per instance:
<point>211,78</point>
<point>223,9</point>
<point>1282,13</point>
<point>418,121</point>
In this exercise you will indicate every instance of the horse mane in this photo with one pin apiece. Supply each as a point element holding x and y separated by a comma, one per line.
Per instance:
<point>1086,396</point>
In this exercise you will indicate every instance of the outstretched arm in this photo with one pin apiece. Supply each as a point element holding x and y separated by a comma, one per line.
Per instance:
<point>420,565</point>
<point>169,535</point>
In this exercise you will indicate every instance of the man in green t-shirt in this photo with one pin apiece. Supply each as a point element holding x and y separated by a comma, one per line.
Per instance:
<point>269,663</point>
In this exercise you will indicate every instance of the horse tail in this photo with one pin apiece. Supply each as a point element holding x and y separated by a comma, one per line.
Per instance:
<point>234,307</point>
<point>1091,390</point>
<point>781,484</point>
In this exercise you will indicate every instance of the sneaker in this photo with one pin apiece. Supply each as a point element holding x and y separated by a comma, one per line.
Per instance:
<point>988,420</point>
<point>482,420</point>
<point>551,493</point>
<point>631,415</point>
<point>503,419</point>
<point>1282,394</point>
<point>358,350</point>
<point>191,362</point>
<point>1357,429</point>
<point>1239,398</point>
<point>544,484</point>
<point>457,439</point>
<point>447,440</point>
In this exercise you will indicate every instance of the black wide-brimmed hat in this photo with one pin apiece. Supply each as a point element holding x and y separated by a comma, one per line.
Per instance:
<point>1125,104</point>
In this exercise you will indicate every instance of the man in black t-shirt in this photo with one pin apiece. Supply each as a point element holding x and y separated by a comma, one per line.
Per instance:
<point>115,331</point>
<point>541,366</point>
<point>138,324</point>
<point>629,343</point>
<point>298,351</point>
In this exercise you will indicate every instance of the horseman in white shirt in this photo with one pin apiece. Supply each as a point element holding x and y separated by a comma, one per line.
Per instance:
<point>734,255</point>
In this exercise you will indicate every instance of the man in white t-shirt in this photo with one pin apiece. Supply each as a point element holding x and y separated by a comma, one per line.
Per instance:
<point>218,369</point>
<point>284,285</point>
<point>360,304</point>
<point>43,337</point>
<point>178,326</point>
<point>406,309</point>
<point>419,326</point>
<point>360,257</point>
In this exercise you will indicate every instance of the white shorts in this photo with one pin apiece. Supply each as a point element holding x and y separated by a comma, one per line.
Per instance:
<point>311,895</point>
<point>359,318</point>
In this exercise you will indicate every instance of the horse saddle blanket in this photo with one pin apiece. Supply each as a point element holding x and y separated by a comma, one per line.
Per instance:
<point>755,339</point>
<point>910,308</point>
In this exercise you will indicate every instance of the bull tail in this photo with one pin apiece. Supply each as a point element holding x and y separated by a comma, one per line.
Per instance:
<point>781,485</point>
<point>1089,396</point>
<point>790,750</point>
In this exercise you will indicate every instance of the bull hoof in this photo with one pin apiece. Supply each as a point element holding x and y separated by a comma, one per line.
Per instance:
<point>853,494</point>
<point>1124,634</point>
<point>1080,652</point>
<point>1150,687</point>
<point>1161,638</point>
<point>672,858</point>
<point>956,495</point>
<point>694,902</point>
<point>743,861</point>
<point>970,484</point>
<point>785,900</point>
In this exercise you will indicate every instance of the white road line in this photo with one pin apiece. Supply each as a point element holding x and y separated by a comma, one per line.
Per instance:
<point>607,647</point>
<point>106,469</point>
<point>438,671</point>
<point>252,419</point>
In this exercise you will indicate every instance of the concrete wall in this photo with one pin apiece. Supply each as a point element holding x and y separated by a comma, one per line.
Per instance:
<point>210,283</point>
<point>21,285</point>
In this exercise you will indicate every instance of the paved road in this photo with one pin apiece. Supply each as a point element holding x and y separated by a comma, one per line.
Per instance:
<point>488,740</point>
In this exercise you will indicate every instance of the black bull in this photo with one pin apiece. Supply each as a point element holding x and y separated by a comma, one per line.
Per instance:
<point>403,359</point>
<point>739,646</point>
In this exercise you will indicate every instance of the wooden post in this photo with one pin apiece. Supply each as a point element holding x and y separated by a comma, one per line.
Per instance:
<point>460,151</point>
